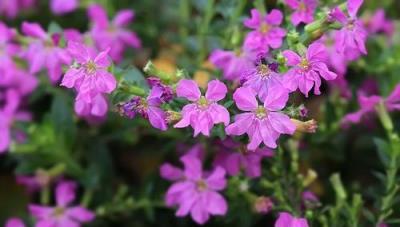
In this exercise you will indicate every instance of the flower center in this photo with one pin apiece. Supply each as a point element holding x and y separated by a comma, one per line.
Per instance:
<point>238,52</point>
<point>264,71</point>
<point>264,27</point>
<point>302,6</point>
<point>350,24</point>
<point>90,67</point>
<point>201,185</point>
<point>58,212</point>
<point>261,112</point>
<point>202,103</point>
<point>304,64</point>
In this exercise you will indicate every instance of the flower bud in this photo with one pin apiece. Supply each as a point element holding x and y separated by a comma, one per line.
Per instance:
<point>263,205</point>
<point>309,126</point>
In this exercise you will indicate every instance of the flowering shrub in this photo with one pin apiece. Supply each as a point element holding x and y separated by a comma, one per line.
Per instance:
<point>218,113</point>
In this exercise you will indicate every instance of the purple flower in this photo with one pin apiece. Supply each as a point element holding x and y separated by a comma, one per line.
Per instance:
<point>167,92</point>
<point>148,108</point>
<point>267,32</point>
<point>263,124</point>
<point>43,52</point>
<point>62,214</point>
<point>14,222</point>
<point>113,34</point>
<point>303,10</point>
<point>204,111</point>
<point>233,63</point>
<point>368,104</point>
<point>350,40</point>
<point>336,61</point>
<point>195,192</point>
<point>308,69</point>
<point>233,157</point>
<point>263,80</point>
<point>60,7</point>
<point>90,77</point>
<point>287,220</point>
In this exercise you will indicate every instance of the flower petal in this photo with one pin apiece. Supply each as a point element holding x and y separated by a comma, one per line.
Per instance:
<point>216,90</point>
<point>245,99</point>
<point>188,89</point>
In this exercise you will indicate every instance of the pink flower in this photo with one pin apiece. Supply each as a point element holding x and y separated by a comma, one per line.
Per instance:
<point>336,61</point>
<point>263,124</point>
<point>90,76</point>
<point>233,63</point>
<point>113,34</point>
<point>62,214</point>
<point>263,80</point>
<point>233,157</point>
<point>95,108</point>
<point>11,8</point>
<point>14,222</point>
<point>60,7</point>
<point>204,111</point>
<point>350,40</point>
<point>267,32</point>
<point>148,108</point>
<point>308,69</point>
<point>368,104</point>
<point>195,192</point>
<point>379,23</point>
<point>303,10</point>
<point>287,220</point>
<point>9,113</point>
<point>43,52</point>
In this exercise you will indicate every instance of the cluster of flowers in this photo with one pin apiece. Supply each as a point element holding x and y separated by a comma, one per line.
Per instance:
<point>24,56</point>
<point>263,84</point>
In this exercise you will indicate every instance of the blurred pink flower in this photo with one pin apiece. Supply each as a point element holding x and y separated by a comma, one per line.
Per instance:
<point>263,124</point>
<point>379,23</point>
<point>62,214</point>
<point>204,111</point>
<point>266,31</point>
<point>233,157</point>
<point>14,222</point>
<point>233,63</point>
<point>113,34</point>
<point>303,10</point>
<point>287,220</point>
<point>11,8</point>
<point>194,191</point>
<point>44,52</point>
<point>350,40</point>
<point>60,7</point>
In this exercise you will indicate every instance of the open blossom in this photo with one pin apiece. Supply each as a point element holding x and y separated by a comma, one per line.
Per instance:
<point>233,157</point>
<point>266,31</point>
<point>263,79</point>
<point>196,192</point>
<point>303,10</point>
<point>204,111</point>
<point>44,52</point>
<point>308,69</point>
<point>233,63</point>
<point>62,214</point>
<point>263,124</point>
<point>148,108</point>
<point>8,49</point>
<point>350,40</point>
<point>90,76</point>
<point>337,62</point>
<point>368,104</point>
<point>113,33</point>
<point>60,7</point>
<point>287,220</point>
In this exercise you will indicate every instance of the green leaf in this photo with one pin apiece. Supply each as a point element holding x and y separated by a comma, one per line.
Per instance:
<point>383,149</point>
